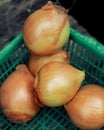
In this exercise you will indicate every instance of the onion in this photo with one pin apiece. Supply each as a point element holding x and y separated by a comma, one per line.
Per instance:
<point>56,83</point>
<point>46,30</point>
<point>16,96</point>
<point>36,62</point>
<point>86,109</point>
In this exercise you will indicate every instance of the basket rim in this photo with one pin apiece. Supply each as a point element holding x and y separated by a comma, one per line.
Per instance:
<point>10,47</point>
<point>87,42</point>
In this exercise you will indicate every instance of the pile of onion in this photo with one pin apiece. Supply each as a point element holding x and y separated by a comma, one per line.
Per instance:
<point>56,83</point>
<point>50,79</point>
<point>36,62</point>
<point>86,109</point>
<point>16,96</point>
<point>47,29</point>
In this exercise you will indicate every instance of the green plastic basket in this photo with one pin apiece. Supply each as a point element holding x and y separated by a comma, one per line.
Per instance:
<point>86,54</point>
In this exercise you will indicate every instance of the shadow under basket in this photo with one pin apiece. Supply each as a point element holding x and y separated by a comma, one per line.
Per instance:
<point>86,53</point>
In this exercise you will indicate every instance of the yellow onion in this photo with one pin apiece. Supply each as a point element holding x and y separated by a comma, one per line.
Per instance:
<point>56,83</point>
<point>46,30</point>
<point>86,109</point>
<point>16,96</point>
<point>36,62</point>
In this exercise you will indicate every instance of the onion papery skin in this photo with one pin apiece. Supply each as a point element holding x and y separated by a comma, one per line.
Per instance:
<point>36,62</point>
<point>86,109</point>
<point>16,96</point>
<point>57,82</point>
<point>46,30</point>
